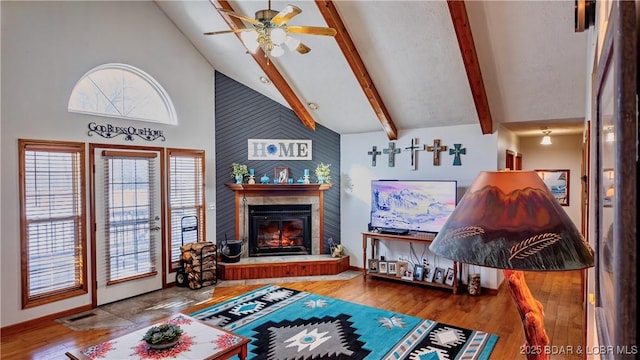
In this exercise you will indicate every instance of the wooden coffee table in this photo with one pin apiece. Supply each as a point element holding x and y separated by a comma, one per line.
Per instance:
<point>199,341</point>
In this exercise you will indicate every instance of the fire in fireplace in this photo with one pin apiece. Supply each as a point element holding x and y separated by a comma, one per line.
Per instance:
<point>279,230</point>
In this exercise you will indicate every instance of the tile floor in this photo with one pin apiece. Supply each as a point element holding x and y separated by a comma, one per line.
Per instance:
<point>161,303</point>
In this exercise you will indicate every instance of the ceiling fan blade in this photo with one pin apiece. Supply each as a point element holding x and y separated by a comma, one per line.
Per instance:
<point>286,14</point>
<point>241,17</point>
<point>225,31</point>
<point>312,30</point>
<point>303,49</point>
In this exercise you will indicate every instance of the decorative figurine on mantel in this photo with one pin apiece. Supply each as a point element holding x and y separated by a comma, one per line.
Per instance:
<point>322,173</point>
<point>306,177</point>
<point>252,177</point>
<point>238,172</point>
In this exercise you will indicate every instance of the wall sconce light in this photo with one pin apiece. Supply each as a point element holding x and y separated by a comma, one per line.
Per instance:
<point>546,139</point>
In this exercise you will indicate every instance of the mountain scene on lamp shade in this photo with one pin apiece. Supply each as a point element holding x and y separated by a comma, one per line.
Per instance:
<point>412,205</point>
<point>542,236</point>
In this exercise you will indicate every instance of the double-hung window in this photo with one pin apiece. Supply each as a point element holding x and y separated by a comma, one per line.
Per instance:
<point>186,199</point>
<point>52,221</point>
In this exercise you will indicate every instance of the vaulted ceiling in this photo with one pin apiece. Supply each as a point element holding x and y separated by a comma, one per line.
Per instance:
<point>399,65</point>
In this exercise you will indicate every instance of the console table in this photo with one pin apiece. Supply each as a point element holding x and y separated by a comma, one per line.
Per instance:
<point>372,237</point>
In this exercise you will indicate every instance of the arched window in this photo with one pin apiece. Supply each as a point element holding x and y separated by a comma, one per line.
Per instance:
<point>122,91</point>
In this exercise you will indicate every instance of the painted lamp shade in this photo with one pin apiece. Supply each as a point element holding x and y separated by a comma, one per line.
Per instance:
<point>511,220</point>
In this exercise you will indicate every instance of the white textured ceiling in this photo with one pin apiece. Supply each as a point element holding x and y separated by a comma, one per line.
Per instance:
<point>532,62</point>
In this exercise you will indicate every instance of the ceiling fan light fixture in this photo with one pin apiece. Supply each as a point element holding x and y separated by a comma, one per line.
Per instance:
<point>278,36</point>
<point>250,40</point>
<point>277,51</point>
<point>270,30</point>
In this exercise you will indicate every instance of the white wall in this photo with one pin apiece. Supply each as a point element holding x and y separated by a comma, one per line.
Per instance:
<point>565,152</point>
<point>357,174</point>
<point>46,47</point>
<point>507,140</point>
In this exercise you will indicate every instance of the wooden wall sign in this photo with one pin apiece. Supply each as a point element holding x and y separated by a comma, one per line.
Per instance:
<point>279,149</point>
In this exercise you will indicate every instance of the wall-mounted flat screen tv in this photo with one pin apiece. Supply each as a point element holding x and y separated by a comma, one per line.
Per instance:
<point>412,205</point>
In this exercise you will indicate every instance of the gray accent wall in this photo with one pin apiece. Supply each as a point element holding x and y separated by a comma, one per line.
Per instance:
<point>242,114</point>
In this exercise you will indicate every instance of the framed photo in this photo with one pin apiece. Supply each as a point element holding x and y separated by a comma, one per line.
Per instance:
<point>373,265</point>
<point>418,272</point>
<point>428,274</point>
<point>448,279</point>
<point>407,275</point>
<point>401,268</point>
<point>558,182</point>
<point>615,222</point>
<point>438,276</point>
<point>382,267</point>
<point>391,268</point>
<point>281,175</point>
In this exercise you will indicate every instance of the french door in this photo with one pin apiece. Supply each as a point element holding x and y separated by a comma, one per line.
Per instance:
<point>128,225</point>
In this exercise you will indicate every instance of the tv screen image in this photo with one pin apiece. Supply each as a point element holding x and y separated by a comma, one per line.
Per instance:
<point>413,205</point>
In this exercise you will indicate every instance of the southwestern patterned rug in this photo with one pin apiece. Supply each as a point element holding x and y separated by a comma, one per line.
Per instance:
<point>286,324</point>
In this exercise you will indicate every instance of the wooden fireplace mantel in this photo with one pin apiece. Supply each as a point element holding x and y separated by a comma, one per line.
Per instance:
<point>270,189</point>
<point>273,190</point>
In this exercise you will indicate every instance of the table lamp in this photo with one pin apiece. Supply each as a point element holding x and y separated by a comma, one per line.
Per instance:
<point>510,220</point>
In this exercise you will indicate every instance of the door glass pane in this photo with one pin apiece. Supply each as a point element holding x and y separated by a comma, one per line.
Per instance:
<point>129,209</point>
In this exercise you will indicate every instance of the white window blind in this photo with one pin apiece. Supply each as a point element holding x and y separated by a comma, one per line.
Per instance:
<point>52,221</point>
<point>186,198</point>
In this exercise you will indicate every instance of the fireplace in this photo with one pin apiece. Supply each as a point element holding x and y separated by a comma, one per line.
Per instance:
<point>247,195</point>
<point>280,229</point>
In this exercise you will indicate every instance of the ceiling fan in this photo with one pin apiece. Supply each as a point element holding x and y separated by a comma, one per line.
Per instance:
<point>271,32</point>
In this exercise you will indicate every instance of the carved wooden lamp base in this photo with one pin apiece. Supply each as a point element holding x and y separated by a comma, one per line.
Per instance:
<point>531,314</point>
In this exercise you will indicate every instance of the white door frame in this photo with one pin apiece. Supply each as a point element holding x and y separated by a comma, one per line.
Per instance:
<point>94,152</point>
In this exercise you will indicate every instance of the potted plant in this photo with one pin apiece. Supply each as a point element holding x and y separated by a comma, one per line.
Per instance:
<point>162,336</point>
<point>238,172</point>
<point>322,173</point>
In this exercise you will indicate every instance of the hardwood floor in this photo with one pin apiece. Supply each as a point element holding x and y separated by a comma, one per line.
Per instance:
<point>559,292</point>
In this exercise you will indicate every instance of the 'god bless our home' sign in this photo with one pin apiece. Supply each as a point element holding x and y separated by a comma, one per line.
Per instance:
<point>279,149</point>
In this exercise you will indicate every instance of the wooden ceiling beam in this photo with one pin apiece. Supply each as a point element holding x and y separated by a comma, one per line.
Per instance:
<point>269,69</point>
<point>458,12</point>
<point>331,16</point>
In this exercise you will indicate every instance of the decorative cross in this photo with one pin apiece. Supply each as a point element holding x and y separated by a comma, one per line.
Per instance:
<point>436,149</point>
<point>414,148</point>
<point>457,151</point>
<point>392,151</point>
<point>374,153</point>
